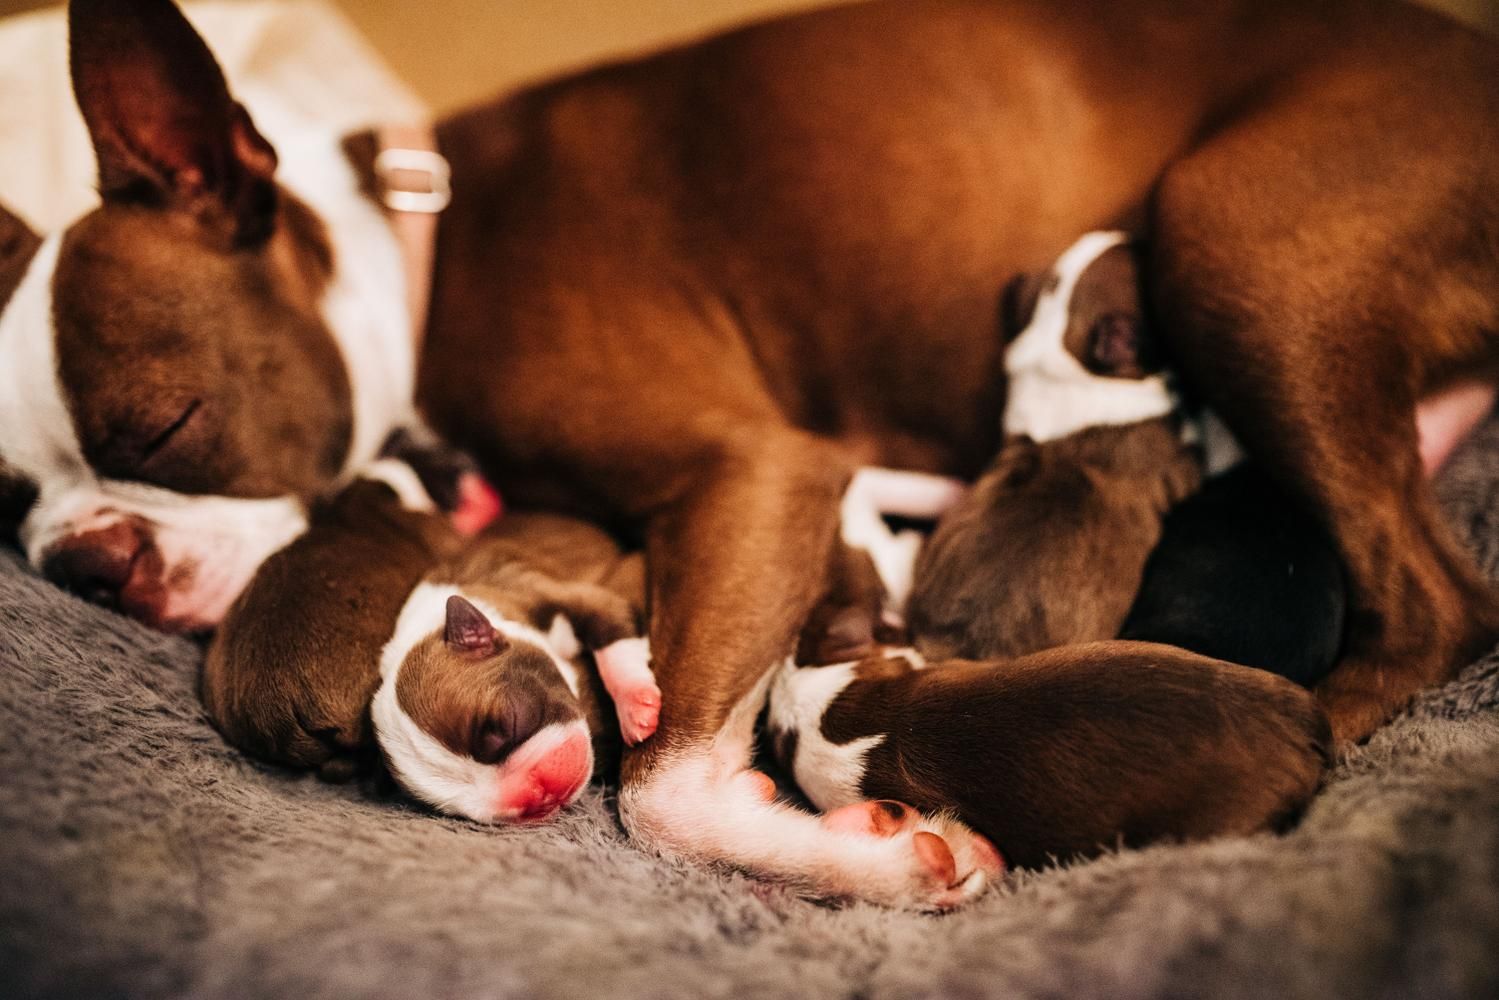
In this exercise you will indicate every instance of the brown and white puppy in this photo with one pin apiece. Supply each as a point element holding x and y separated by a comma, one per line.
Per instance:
<point>486,708</point>
<point>1050,545</point>
<point>745,266</point>
<point>1061,753</point>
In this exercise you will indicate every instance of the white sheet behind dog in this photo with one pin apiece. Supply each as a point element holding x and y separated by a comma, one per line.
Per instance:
<point>304,51</point>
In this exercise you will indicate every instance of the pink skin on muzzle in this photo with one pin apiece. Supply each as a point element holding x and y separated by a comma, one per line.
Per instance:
<point>547,773</point>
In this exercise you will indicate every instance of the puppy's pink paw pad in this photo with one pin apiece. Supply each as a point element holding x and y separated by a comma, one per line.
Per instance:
<point>986,856</point>
<point>639,710</point>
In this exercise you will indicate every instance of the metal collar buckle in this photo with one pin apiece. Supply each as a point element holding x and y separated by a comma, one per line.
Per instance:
<point>414,180</point>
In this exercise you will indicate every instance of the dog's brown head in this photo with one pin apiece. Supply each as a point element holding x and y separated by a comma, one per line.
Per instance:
<point>189,364</point>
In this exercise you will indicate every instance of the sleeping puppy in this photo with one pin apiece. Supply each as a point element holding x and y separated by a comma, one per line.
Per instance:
<point>1049,546</point>
<point>1245,573</point>
<point>1058,754</point>
<point>292,670</point>
<point>1090,524</point>
<point>486,707</point>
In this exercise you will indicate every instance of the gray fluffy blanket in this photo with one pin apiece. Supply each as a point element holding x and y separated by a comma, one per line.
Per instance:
<point>140,856</point>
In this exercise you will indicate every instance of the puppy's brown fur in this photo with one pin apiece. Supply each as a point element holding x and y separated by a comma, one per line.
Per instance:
<point>531,568</point>
<point>1050,545</point>
<point>290,673</point>
<point>1066,752</point>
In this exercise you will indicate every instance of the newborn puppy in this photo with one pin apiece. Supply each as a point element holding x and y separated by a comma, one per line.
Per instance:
<point>1245,573</point>
<point>290,671</point>
<point>1049,546</point>
<point>484,708</point>
<point>1054,754</point>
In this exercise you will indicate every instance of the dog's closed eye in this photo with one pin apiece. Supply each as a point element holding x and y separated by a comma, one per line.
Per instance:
<point>167,433</point>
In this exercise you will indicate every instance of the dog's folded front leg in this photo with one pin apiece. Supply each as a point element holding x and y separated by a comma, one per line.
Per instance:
<point>735,566</point>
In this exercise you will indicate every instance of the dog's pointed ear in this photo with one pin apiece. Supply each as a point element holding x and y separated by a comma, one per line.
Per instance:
<point>17,244</point>
<point>165,129</point>
<point>466,630</point>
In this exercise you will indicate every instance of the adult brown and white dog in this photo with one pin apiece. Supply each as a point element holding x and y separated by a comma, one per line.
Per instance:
<point>691,293</point>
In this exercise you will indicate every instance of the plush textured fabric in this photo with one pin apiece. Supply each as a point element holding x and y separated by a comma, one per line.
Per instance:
<point>139,856</point>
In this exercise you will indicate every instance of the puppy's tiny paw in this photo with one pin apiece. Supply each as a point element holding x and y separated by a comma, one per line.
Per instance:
<point>639,711</point>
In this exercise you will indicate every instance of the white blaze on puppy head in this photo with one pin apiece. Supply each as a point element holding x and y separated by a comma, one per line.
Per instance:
<point>1052,394</point>
<point>479,716</point>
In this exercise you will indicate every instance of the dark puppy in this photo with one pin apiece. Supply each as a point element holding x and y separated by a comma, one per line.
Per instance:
<point>1049,547</point>
<point>1244,573</point>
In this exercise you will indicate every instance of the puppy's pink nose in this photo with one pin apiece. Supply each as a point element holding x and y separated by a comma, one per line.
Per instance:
<point>96,565</point>
<point>535,789</point>
<point>559,773</point>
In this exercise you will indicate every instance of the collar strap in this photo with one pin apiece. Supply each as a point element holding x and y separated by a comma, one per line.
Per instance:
<point>414,184</point>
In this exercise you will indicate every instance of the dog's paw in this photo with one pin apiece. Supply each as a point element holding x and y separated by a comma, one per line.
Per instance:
<point>761,785</point>
<point>638,706</point>
<point>936,863</point>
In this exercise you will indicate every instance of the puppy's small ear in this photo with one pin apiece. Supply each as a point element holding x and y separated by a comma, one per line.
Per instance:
<point>1017,304</point>
<point>164,127</point>
<point>468,631</point>
<point>17,244</point>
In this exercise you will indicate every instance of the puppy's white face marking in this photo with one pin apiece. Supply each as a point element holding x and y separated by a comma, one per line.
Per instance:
<point>562,640</point>
<point>1051,395</point>
<point>426,769</point>
<point>829,773</point>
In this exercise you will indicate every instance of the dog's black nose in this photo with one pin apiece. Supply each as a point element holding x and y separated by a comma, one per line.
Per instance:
<point>96,565</point>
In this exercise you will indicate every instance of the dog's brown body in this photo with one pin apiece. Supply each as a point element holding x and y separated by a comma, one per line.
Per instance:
<point>693,292</point>
<point>1049,547</point>
<point>753,264</point>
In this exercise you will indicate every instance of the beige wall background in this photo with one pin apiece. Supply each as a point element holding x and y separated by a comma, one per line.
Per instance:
<point>456,51</point>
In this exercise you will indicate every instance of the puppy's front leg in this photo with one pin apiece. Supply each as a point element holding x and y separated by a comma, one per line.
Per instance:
<point>607,625</point>
<point>735,566</point>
